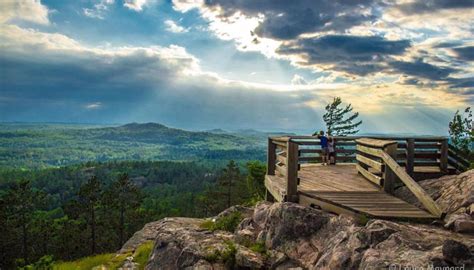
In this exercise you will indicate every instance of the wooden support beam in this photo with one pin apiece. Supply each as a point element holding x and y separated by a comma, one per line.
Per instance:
<point>410,156</point>
<point>369,151</point>
<point>273,189</point>
<point>271,157</point>
<point>281,169</point>
<point>418,191</point>
<point>389,176</point>
<point>369,176</point>
<point>372,163</point>
<point>280,144</point>
<point>281,157</point>
<point>292,172</point>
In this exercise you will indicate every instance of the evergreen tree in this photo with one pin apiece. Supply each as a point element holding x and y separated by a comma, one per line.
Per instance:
<point>89,197</point>
<point>123,196</point>
<point>461,130</point>
<point>256,179</point>
<point>22,201</point>
<point>340,121</point>
<point>227,183</point>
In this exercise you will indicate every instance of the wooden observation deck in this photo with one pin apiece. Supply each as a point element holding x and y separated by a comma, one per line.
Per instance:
<point>366,173</point>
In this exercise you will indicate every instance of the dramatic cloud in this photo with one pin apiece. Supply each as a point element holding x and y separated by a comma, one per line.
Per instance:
<point>353,54</point>
<point>465,53</point>
<point>28,10</point>
<point>425,6</point>
<point>350,38</point>
<point>422,69</point>
<point>287,21</point>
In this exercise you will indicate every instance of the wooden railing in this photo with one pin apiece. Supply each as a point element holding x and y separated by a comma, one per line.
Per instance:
<point>412,152</point>
<point>283,160</point>
<point>370,163</point>
<point>376,162</point>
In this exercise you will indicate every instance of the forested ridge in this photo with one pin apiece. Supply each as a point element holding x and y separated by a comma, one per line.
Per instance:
<point>36,146</point>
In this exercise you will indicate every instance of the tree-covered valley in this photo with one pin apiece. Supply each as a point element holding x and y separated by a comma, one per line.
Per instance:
<point>70,191</point>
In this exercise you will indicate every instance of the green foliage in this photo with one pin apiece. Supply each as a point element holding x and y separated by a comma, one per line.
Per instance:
<point>461,130</point>
<point>233,187</point>
<point>225,223</point>
<point>340,121</point>
<point>227,255</point>
<point>258,247</point>
<point>256,180</point>
<point>44,263</point>
<point>110,260</point>
<point>142,253</point>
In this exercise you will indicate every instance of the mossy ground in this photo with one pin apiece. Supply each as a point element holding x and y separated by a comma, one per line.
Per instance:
<point>108,261</point>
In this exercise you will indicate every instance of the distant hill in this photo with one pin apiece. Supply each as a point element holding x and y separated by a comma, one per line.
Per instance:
<point>158,133</point>
<point>217,131</point>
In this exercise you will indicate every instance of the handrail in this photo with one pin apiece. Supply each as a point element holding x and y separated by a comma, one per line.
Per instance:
<point>384,151</point>
<point>418,151</point>
<point>285,163</point>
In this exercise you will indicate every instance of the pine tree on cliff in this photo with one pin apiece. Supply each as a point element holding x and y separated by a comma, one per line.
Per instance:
<point>89,195</point>
<point>340,121</point>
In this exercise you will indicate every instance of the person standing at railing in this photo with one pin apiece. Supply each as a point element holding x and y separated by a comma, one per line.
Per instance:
<point>323,141</point>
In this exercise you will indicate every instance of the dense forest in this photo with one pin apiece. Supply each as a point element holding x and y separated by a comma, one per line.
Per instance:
<point>69,191</point>
<point>79,210</point>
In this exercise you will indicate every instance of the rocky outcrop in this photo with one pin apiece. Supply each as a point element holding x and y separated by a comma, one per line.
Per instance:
<point>292,236</point>
<point>454,194</point>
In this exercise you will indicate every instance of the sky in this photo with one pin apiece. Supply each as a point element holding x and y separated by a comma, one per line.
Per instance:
<point>406,66</point>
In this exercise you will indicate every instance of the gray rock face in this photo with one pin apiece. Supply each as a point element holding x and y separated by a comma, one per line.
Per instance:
<point>454,194</point>
<point>148,233</point>
<point>290,236</point>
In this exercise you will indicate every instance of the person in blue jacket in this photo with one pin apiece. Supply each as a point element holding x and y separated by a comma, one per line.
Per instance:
<point>323,140</point>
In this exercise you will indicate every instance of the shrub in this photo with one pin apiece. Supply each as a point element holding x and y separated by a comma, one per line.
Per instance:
<point>226,223</point>
<point>110,260</point>
<point>258,247</point>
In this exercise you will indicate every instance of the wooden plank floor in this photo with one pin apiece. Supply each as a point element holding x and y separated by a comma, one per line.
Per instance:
<point>340,187</point>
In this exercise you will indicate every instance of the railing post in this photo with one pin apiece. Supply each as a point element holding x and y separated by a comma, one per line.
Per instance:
<point>271,157</point>
<point>389,176</point>
<point>292,171</point>
<point>410,164</point>
<point>443,159</point>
